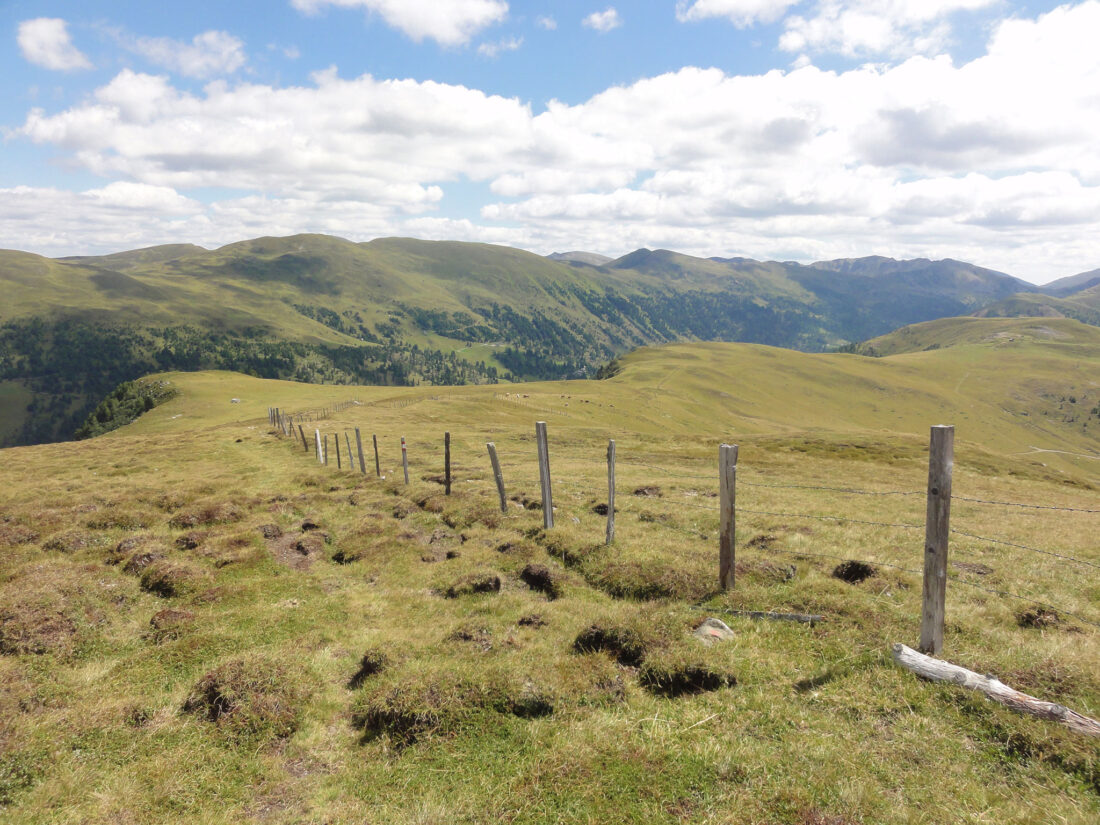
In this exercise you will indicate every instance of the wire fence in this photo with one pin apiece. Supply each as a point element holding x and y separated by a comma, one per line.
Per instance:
<point>529,476</point>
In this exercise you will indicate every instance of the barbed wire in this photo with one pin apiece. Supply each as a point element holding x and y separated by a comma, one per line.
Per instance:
<point>1025,547</point>
<point>846,490</point>
<point>957,579</point>
<point>1027,506</point>
<point>833,518</point>
<point>1010,595</point>
<point>668,472</point>
<point>812,554</point>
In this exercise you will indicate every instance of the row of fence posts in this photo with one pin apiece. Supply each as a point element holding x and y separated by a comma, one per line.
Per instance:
<point>286,422</point>
<point>322,453</point>
<point>937,517</point>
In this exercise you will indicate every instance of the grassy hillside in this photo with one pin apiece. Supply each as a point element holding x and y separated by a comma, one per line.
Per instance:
<point>200,623</point>
<point>1082,306</point>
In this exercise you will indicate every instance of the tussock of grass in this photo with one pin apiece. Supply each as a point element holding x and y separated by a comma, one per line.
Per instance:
<point>170,623</point>
<point>473,584</point>
<point>541,578</point>
<point>252,699</point>
<point>170,578</point>
<point>440,703</point>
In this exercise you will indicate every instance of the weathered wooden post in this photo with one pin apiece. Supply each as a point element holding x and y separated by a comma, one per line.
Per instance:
<point>497,475</point>
<point>305,441</point>
<point>351,458</point>
<point>544,476</point>
<point>377,466</point>
<point>339,465</point>
<point>937,527</point>
<point>447,463</point>
<point>326,448</point>
<point>727,474</point>
<point>320,454</point>
<point>610,490</point>
<point>405,459</point>
<point>359,448</point>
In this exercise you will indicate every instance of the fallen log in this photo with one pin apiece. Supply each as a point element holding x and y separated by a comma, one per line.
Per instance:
<point>939,671</point>
<point>805,618</point>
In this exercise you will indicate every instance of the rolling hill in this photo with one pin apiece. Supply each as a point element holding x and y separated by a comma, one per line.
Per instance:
<point>401,311</point>
<point>200,622</point>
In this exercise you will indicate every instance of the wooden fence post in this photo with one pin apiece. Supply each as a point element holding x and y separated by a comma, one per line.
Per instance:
<point>544,476</point>
<point>937,526</point>
<point>339,464</point>
<point>305,442</point>
<point>377,466</point>
<point>405,459</point>
<point>359,447</point>
<point>351,458</point>
<point>610,491</point>
<point>447,463</point>
<point>727,473</point>
<point>326,448</point>
<point>497,475</point>
<point>320,455</point>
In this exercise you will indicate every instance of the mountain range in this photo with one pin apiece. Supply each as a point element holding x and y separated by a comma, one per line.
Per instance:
<point>403,311</point>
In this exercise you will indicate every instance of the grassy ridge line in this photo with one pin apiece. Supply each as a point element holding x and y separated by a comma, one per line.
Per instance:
<point>446,725</point>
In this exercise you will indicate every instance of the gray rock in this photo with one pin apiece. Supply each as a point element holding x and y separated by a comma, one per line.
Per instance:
<point>713,630</point>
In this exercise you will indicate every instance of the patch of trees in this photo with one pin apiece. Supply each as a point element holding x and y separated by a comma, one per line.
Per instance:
<point>70,366</point>
<point>129,400</point>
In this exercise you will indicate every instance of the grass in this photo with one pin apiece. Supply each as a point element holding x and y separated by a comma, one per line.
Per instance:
<point>342,685</point>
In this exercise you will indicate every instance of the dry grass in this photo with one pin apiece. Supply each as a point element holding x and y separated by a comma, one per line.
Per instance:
<point>351,689</point>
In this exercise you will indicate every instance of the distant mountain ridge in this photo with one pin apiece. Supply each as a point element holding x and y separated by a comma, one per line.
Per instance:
<point>401,310</point>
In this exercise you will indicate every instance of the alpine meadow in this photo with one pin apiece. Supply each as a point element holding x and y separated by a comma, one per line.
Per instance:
<point>500,411</point>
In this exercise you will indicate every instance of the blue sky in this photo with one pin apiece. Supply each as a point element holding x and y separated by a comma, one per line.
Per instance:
<point>774,129</point>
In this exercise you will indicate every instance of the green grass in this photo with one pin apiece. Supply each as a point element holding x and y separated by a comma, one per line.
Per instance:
<point>359,691</point>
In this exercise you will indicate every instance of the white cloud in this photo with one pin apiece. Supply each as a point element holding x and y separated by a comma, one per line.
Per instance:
<point>209,54</point>
<point>869,28</point>
<point>546,22</point>
<point>603,21</point>
<point>507,44</point>
<point>383,141</point>
<point>742,13</point>
<point>45,42</point>
<point>992,161</point>
<point>448,22</point>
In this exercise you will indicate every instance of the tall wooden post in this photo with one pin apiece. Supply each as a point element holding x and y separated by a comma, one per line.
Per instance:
<point>937,527</point>
<point>544,476</point>
<point>339,464</point>
<point>405,459</point>
<point>447,463</point>
<point>305,442</point>
<point>610,491</point>
<point>497,475</point>
<point>326,448</point>
<point>377,466</point>
<point>351,458</point>
<point>727,474</point>
<point>359,447</point>
<point>320,454</point>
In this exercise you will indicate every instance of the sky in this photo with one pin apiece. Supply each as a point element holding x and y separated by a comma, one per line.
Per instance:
<point>772,129</point>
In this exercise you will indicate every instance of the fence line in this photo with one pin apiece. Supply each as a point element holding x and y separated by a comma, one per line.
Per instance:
<point>279,419</point>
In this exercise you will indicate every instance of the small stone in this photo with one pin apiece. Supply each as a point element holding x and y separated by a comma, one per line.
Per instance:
<point>713,630</point>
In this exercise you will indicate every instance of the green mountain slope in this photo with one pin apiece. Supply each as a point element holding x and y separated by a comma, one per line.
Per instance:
<point>398,310</point>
